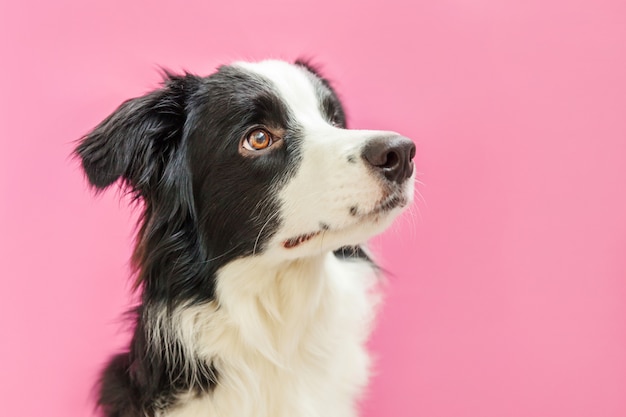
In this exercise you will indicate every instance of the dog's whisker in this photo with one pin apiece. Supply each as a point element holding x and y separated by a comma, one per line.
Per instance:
<point>256,241</point>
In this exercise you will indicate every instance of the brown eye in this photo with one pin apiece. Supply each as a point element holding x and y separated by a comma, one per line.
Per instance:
<point>257,140</point>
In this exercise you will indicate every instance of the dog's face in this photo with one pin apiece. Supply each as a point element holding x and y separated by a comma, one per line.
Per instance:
<point>254,160</point>
<point>342,186</point>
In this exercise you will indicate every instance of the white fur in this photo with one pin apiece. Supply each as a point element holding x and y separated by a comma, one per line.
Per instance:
<point>287,340</point>
<point>287,329</point>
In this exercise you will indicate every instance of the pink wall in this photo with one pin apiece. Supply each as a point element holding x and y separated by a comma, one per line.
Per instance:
<point>508,294</point>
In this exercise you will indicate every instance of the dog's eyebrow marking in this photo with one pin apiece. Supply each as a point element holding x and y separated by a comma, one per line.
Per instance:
<point>293,84</point>
<point>354,210</point>
<point>351,159</point>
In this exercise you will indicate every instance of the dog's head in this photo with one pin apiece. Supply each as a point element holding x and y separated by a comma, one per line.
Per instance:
<point>254,160</point>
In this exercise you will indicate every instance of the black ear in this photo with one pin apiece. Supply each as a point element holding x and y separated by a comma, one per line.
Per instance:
<point>130,142</point>
<point>308,64</point>
<point>332,105</point>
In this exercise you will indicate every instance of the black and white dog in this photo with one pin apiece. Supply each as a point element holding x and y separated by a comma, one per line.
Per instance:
<point>256,294</point>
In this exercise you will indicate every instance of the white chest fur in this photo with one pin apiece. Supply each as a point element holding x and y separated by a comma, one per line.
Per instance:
<point>287,341</point>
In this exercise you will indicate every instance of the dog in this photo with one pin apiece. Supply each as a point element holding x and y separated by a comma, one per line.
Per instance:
<point>257,290</point>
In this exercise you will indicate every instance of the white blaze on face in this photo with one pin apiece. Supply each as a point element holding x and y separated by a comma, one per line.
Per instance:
<point>326,204</point>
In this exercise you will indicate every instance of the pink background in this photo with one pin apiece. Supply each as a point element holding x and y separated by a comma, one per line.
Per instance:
<point>508,289</point>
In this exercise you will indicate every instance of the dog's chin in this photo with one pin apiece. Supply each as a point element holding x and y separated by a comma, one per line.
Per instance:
<point>361,228</point>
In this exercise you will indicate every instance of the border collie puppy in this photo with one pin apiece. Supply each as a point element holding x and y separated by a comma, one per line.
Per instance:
<point>256,292</point>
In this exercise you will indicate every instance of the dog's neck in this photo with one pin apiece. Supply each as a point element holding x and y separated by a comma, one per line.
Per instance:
<point>279,288</point>
<point>274,305</point>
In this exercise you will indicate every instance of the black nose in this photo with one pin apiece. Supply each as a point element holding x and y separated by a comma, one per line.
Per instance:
<point>391,155</point>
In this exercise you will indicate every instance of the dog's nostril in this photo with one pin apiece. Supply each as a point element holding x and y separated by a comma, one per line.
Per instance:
<point>391,156</point>
<point>391,160</point>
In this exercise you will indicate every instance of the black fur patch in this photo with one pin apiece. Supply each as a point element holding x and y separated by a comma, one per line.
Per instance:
<point>145,380</point>
<point>177,150</point>
<point>205,204</point>
<point>353,252</point>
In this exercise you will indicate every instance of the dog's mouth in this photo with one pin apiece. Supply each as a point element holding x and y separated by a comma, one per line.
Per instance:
<point>385,205</point>
<point>298,240</point>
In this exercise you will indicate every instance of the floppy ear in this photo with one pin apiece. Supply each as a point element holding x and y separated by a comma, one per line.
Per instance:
<point>130,142</point>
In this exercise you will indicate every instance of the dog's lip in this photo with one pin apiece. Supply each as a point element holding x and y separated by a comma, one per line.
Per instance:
<point>300,239</point>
